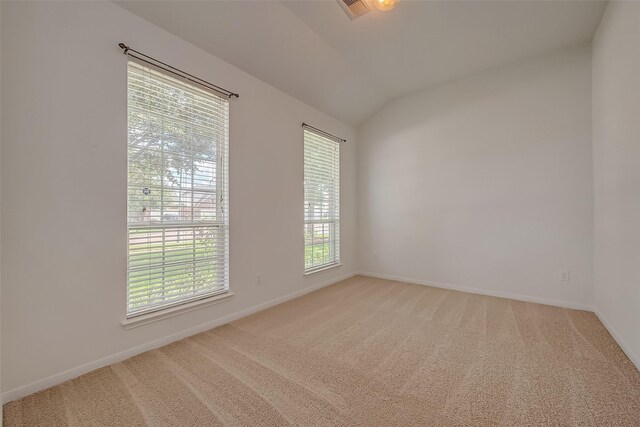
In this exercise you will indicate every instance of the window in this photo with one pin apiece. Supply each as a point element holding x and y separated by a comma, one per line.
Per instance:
<point>178,220</point>
<point>321,202</point>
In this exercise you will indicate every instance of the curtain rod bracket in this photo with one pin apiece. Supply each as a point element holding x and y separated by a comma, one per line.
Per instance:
<point>124,47</point>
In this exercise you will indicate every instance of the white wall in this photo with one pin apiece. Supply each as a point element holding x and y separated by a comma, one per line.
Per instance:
<point>616,159</point>
<point>64,189</point>
<point>485,183</point>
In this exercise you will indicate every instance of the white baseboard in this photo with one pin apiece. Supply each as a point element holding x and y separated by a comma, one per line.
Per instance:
<point>625,348</point>
<point>518,297</point>
<point>61,377</point>
<point>634,358</point>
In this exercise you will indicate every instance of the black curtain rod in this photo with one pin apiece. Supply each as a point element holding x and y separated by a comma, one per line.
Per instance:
<point>176,71</point>
<point>320,131</point>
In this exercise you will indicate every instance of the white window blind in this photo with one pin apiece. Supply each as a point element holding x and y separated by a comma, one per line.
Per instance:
<point>178,221</point>
<point>321,201</point>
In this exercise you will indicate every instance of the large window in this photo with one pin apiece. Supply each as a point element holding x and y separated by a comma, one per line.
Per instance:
<point>321,202</point>
<point>178,220</point>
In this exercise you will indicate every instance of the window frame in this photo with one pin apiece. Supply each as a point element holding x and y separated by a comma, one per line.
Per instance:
<point>221,223</point>
<point>335,221</point>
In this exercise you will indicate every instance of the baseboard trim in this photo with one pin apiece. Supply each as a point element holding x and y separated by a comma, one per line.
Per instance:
<point>61,377</point>
<point>634,358</point>
<point>478,291</point>
<point>625,348</point>
<point>70,374</point>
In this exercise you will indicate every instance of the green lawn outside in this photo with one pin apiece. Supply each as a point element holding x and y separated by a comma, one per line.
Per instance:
<point>316,254</point>
<point>157,283</point>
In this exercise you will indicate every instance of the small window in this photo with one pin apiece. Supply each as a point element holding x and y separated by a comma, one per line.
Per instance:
<point>321,202</point>
<point>178,220</point>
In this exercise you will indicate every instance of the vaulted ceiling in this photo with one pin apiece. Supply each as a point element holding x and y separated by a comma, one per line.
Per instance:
<point>350,68</point>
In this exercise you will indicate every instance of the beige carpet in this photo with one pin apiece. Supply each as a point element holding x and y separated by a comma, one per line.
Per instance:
<point>365,352</point>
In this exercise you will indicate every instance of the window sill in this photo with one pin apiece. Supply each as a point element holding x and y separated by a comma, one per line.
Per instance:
<point>324,268</point>
<point>156,316</point>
